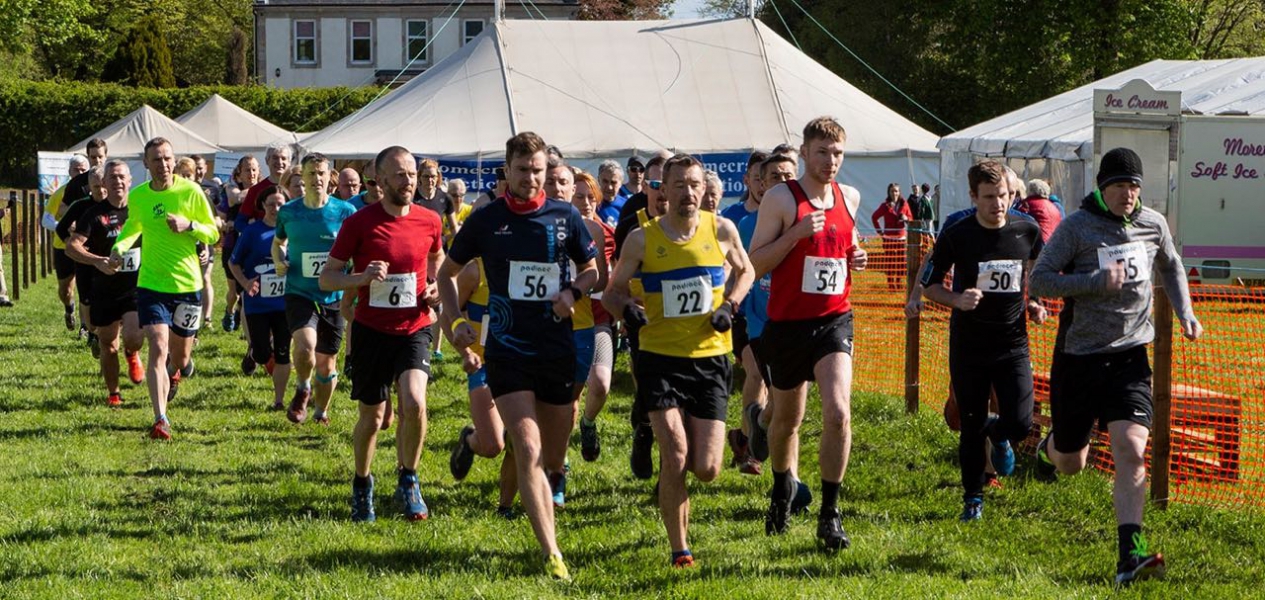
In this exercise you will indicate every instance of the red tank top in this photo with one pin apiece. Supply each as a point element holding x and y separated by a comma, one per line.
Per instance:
<point>600,315</point>
<point>812,281</point>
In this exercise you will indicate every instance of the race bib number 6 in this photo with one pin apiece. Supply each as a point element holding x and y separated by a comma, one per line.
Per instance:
<point>686,298</point>
<point>396,291</point>
<point>1000,276</point>
<point>131,261</point>
<point>1132,256</point>
<point>314,263</point>
<point>533,280</point>
<point>824,275</point>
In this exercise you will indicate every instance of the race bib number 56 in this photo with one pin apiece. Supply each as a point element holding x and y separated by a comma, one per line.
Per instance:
<point>1132,256</point>
<point>1000,276</point>
<point>533,280</point>
<point>824,275</point>
<point>396,291</point>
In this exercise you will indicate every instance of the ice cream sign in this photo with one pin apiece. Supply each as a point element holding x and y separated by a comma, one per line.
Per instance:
<point>1138,97</point>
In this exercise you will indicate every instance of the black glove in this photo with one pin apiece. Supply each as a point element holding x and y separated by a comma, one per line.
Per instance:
<point>723,318</point>
<point>635,316</point>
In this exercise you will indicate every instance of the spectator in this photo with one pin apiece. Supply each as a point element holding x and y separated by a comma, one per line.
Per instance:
<point>1038,206</point>
<point>893,214</point>
<point>924,211</point>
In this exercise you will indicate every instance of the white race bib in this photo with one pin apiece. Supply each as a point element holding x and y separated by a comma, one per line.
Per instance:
<point>533,280</point>
<point>131,261</point>
<point>271,285</point>
<point>314,263</point>
<point>686,298</point>
<point>187,316</point>
<point>1000,276</point>
<point>484,324</point>
<point>396,291</point>
<point>824,275</point>
<point>1133,256</point>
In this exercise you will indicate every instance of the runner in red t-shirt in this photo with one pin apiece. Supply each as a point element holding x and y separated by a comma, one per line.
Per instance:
<point>278,159</point>
<point>806,236</point>
<point>396,247</point>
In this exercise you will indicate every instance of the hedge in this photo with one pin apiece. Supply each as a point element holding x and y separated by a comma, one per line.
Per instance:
<point>53,116</point>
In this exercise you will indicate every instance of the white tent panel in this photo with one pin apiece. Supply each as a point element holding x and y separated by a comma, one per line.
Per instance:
<point>126,137</point>
<point>232,127</point>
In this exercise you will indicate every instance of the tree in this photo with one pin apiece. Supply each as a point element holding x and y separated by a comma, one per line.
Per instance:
<point>608,10</point>
<point>143,58</point>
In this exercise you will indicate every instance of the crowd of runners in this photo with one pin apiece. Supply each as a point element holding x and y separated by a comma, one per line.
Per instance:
<point>539,282</point>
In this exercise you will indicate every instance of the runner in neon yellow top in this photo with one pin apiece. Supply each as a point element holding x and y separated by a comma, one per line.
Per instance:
<point>173,216</point>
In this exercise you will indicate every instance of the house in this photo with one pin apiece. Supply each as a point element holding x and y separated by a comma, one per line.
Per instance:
<point>325,43</point>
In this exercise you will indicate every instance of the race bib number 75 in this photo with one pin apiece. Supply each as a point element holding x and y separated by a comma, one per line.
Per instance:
<point>533,281</point>
<point>1132,256</point>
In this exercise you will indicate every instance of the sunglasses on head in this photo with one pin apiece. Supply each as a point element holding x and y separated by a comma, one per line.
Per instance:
<point>654,184</point>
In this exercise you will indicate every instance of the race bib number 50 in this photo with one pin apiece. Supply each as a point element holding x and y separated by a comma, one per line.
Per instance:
<point>396,291</point>
<point>686,298</point>
<point>533,280</point>
<point>824,275</point>
<point>1000,276</point>
<point>1132,256</point>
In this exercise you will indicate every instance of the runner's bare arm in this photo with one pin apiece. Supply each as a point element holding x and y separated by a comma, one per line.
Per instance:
<point>446,282</point>
<point>334,275</point>
<point>279,256</point>
<point>743,273</point>
<point>776,231</point>
<point>76,250</point>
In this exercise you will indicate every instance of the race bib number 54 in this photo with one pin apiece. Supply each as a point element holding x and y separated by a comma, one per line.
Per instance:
<point>1132,256</point>
<point>824,275</point>
<point>533,280</point>
<point>1000,276</point>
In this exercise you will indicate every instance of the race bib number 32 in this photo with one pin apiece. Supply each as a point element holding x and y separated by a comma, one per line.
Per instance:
<point>533,280</point>
<point>824,275</point>
<point>396,291</point>
<point>131,261</point>
<point>314,263</point>
<point>187,316</point>
<point>1132,256</point>
<point>1000,276</point>
<point>686,298</point>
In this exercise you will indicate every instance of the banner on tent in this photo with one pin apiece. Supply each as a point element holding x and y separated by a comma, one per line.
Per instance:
<point>225,162</point>
<point>54,168</point>
<point>479,175</point>
<point>731,167</point>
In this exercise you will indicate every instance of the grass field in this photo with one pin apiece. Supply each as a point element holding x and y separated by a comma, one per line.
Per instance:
<point>242,504</point>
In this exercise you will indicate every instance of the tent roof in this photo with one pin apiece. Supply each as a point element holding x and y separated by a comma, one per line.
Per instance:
<point>127,136</point>
<point>232,127</point>
<point>602,88</point>
<point>1062,127</point>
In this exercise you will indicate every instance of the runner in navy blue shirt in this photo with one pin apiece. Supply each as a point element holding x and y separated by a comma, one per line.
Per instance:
<point>263,295</point>
<point>527,243</point>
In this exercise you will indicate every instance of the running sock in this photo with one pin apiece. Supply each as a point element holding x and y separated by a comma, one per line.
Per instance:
<point>783,486</point>
<point>303,385</point>
<point>679,554</point>
<point>318,414</point>
<point>586,421</point>
<point>163,418</point>
<point>359,482</point>
<point>1126,533</point>
<point>407,472</point>
<point>829,495</point>
<point>70,309</point>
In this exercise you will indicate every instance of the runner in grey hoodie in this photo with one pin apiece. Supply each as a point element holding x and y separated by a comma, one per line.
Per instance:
<point>1101,259</point>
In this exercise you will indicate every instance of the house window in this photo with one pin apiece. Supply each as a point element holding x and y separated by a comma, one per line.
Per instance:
<point>361,42</point>
<point>470,30</point>
<point>305,42</point>
<point>416,35</point>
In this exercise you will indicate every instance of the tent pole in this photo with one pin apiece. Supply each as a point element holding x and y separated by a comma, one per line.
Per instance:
<point>498,7</point>
<point>750,9</point>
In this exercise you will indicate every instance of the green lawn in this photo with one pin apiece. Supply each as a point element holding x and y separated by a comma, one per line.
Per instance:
<point>243,504</point>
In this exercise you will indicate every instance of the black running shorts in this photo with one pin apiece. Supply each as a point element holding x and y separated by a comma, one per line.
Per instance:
<point>325,318</point>
<point>697,386</point>
<point>791,349</point>
<point>378,359</point>
<point>552,380</point>
<point>1098,387</point>
<point>104,311</point>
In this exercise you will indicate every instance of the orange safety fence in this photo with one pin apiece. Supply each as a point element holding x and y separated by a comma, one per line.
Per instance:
<point>1217,425</point>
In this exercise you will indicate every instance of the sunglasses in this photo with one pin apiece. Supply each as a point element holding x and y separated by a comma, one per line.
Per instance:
<point>636,170</point>
<point>654,184</point>
<point>371,182</point>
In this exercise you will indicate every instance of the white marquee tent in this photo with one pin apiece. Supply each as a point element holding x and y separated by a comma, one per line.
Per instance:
<point>232,127</point>
<point>1053,139</point>
<point>126,137</point>
<point>612,88</point>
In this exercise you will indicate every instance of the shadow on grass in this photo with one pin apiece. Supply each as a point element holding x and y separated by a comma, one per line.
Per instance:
<point>430,560</point>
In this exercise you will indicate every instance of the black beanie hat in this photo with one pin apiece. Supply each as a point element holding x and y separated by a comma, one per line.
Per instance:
<point>1120,164</point>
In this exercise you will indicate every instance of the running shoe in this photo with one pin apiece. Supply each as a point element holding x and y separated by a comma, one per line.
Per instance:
<point>187,369</point>
<point>94,345</point>
<point>555,568</point>
<point>278,405</point>
<point>114,401</point>
<point>320,417</point>
<point>1003,458</point>
<point>229,322</point>
<point>802,499</point>
<point>297,413</point>
<point>436,357</point>
<point>972,510</point>
<point>70,320</point>
<point>83,332</point>
<point>1140,564</point>
<point>590,444</point>
<point>738,446</point>
<point>758,444</point>
<point>161,430</point>
<point>362,503</point>
<point>830,530</point>
<point>173,386</point>
<point>135,371</point>
<point>558,487</point>
<point>409,497</point>
<point>506,512</point>
<point>462,457</point>
<point>1044,466</point>
<point>991,480</point>
<point>684,560</point>
<point>641,460</point>
<point>248,364</point>
<point>775,521</point>
<point>5,302</point>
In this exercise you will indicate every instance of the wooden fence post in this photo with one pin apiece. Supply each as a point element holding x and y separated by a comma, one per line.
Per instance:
<point>44,240</point>
<point>1162,382</point>
<point>13,243</point>
<point>26,237</point>
<point>913,251</point>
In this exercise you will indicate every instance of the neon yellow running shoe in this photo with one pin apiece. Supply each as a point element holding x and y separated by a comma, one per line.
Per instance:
<point>555,568</point>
